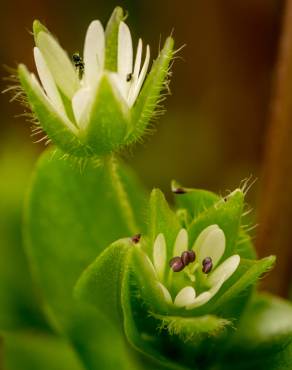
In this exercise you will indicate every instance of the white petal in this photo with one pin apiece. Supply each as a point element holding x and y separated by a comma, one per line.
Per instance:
<point>226,269</point>
<point>165,293</point>
<point>206,296</point>
<point>94,50</point>
<point>185,297</point>
<point>119,84</point>
<point>210,243</point>
<point>138,61</point>
<point>59,64</point>
<point>159,255</point>
<point>80,105</point>
<point>134,92</point>
<point>48,81</point>
<point>181,243</point>
<point>125,51</point>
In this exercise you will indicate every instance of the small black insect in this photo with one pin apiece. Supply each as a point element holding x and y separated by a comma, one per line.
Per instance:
<point>136,238</point>
<point>78,62</point>
<point>129,77</point>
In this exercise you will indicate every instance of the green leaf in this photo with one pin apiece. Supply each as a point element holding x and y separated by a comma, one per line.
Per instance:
<point>193,329</point>
<point>226,213</point>
<point>263,339</point>
<point>111,34</point>
<point>108,121</point>
<point>35,351</point>
<point>161,220</point>
<point>100,283</point>
<point>72,214</point>
<point>150,94</point>
<point>59,130</point>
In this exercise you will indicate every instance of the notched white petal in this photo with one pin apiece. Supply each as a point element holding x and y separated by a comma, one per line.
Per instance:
<point>125,50</point>
<point>47,81</point>
<point>138,60</point>
<point>210,243</point>
<point>165,293</point>
<point>80,104</point>
<point>181,243</point>
<point>226,269</point>
<point>135,89</point>
<point>94,52</point>
<point>159,255</point>
<point>185,297</point>
<point>59,64</point>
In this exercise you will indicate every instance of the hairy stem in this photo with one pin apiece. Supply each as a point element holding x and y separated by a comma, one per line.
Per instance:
<point>275,216</point>
<point>121,194</point>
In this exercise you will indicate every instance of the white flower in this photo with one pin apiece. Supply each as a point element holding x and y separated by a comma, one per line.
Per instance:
<point>209,248</point>
<point>69,91</point>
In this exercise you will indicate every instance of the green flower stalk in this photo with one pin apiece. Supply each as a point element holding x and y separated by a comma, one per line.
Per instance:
<point>101,102</point>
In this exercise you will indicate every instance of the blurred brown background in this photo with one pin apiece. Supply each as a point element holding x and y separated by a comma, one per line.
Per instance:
<point>213,132</point>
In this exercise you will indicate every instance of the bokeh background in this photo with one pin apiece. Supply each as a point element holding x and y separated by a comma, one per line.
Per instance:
<point>212,135</point>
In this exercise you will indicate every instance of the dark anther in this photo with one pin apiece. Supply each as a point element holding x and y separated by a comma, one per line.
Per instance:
<point>136,238</point>
<point>188,257</point>
<point>225,199</point>
<point>176,264</point>
<point>179,191</point>
<point>129,77</point>
<point>207,265</point>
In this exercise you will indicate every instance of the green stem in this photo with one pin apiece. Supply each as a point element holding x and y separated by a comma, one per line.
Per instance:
<point>122,195</point>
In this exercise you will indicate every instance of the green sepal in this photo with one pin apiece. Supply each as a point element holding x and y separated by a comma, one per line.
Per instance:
<point>108,119</point>
<point>195,201</point>
<point>149,97</point>
<point>37,28</point>
<point>246,275</point>
<point>193,329</point>
<point>111,37</point>
<point>61,134</point>
<point>100,284</point>
<point>161,220</point>
<point>226,213</point>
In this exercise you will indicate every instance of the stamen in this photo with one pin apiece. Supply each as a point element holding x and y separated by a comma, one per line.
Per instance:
<point>176,264</point>
<point>136,238</point>
<point>207,265</point>
<point>188,257</point>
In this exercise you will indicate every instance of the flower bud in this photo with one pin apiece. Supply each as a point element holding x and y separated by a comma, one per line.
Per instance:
<point>100,102</point>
